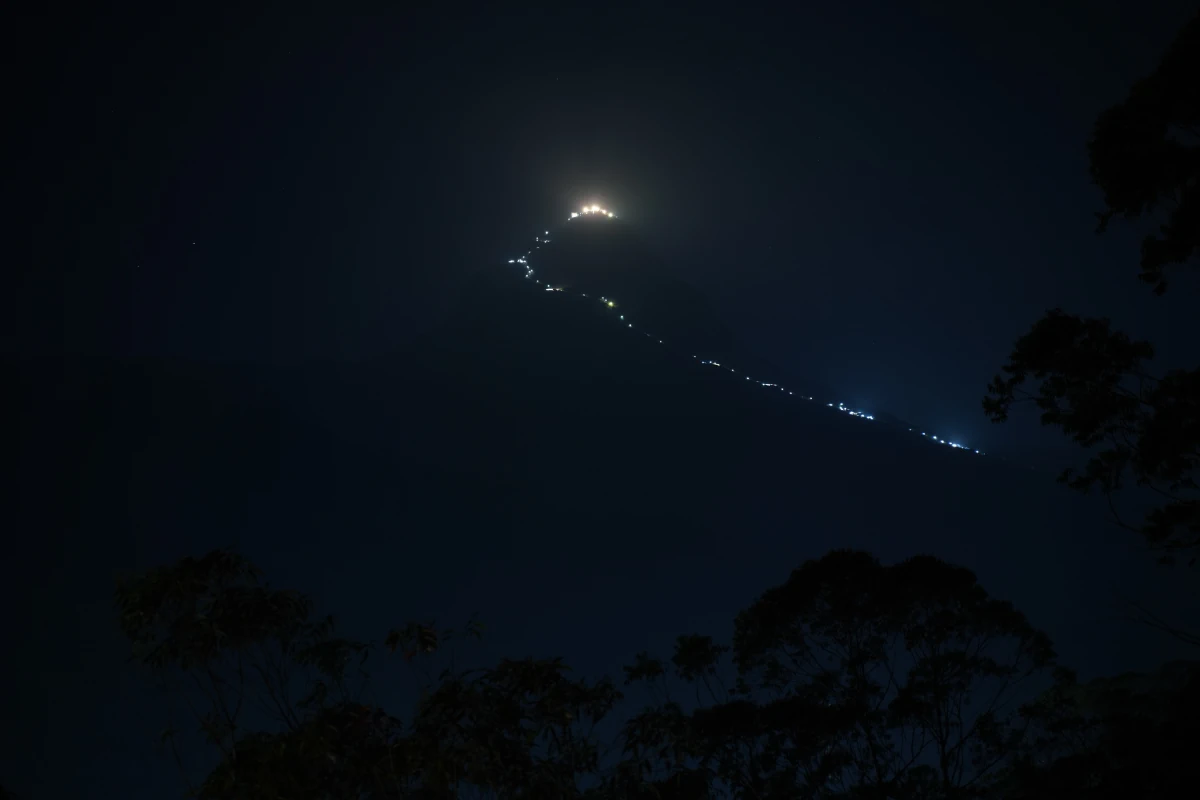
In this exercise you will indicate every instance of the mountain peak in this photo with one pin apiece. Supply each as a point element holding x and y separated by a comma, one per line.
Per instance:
<point>602,255</point>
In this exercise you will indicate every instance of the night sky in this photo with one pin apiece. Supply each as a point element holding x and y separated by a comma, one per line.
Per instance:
<point>880,197</point>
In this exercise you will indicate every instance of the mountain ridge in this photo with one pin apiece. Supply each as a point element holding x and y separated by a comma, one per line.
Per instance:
<point>601,257</point>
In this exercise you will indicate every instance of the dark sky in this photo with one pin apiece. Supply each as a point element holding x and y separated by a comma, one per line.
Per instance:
<point>883,196</point>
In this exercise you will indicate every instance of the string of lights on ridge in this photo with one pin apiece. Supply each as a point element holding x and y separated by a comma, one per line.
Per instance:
<point>609,303</point>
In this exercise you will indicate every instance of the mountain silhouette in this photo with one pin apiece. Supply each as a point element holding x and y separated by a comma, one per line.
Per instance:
<point>605,263</point>
<point>607,257</point>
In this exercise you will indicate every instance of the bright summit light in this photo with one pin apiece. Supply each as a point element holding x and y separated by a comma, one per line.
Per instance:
<point>593,210</point>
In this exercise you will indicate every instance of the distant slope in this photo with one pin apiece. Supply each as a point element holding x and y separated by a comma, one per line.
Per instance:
<point>599,255</point>
<point>604,257</point>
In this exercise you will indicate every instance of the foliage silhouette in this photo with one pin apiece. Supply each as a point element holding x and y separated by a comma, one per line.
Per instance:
<point>1093,382</point>
<point>850,680</point>
<point>1094,385</point>
<point>1145,154</point>
<point>280,698</point>
<point>1132,735</point>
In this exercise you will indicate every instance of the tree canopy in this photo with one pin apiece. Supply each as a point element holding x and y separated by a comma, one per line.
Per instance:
<point>283,701</point>
<point>1094,383</point>
<point>1131,735</point>
<point>1145,157</point>
<point>851,679</point>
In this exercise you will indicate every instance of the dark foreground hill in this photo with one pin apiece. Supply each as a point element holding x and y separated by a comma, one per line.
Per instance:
<point>589,491</point>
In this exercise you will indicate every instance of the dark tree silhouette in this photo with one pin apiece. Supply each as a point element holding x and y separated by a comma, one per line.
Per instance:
<point>1133,735</point>
<point>1145,156</point>
<point>1094,383</point>
<point>281,699</point>
<point>850,680</point>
